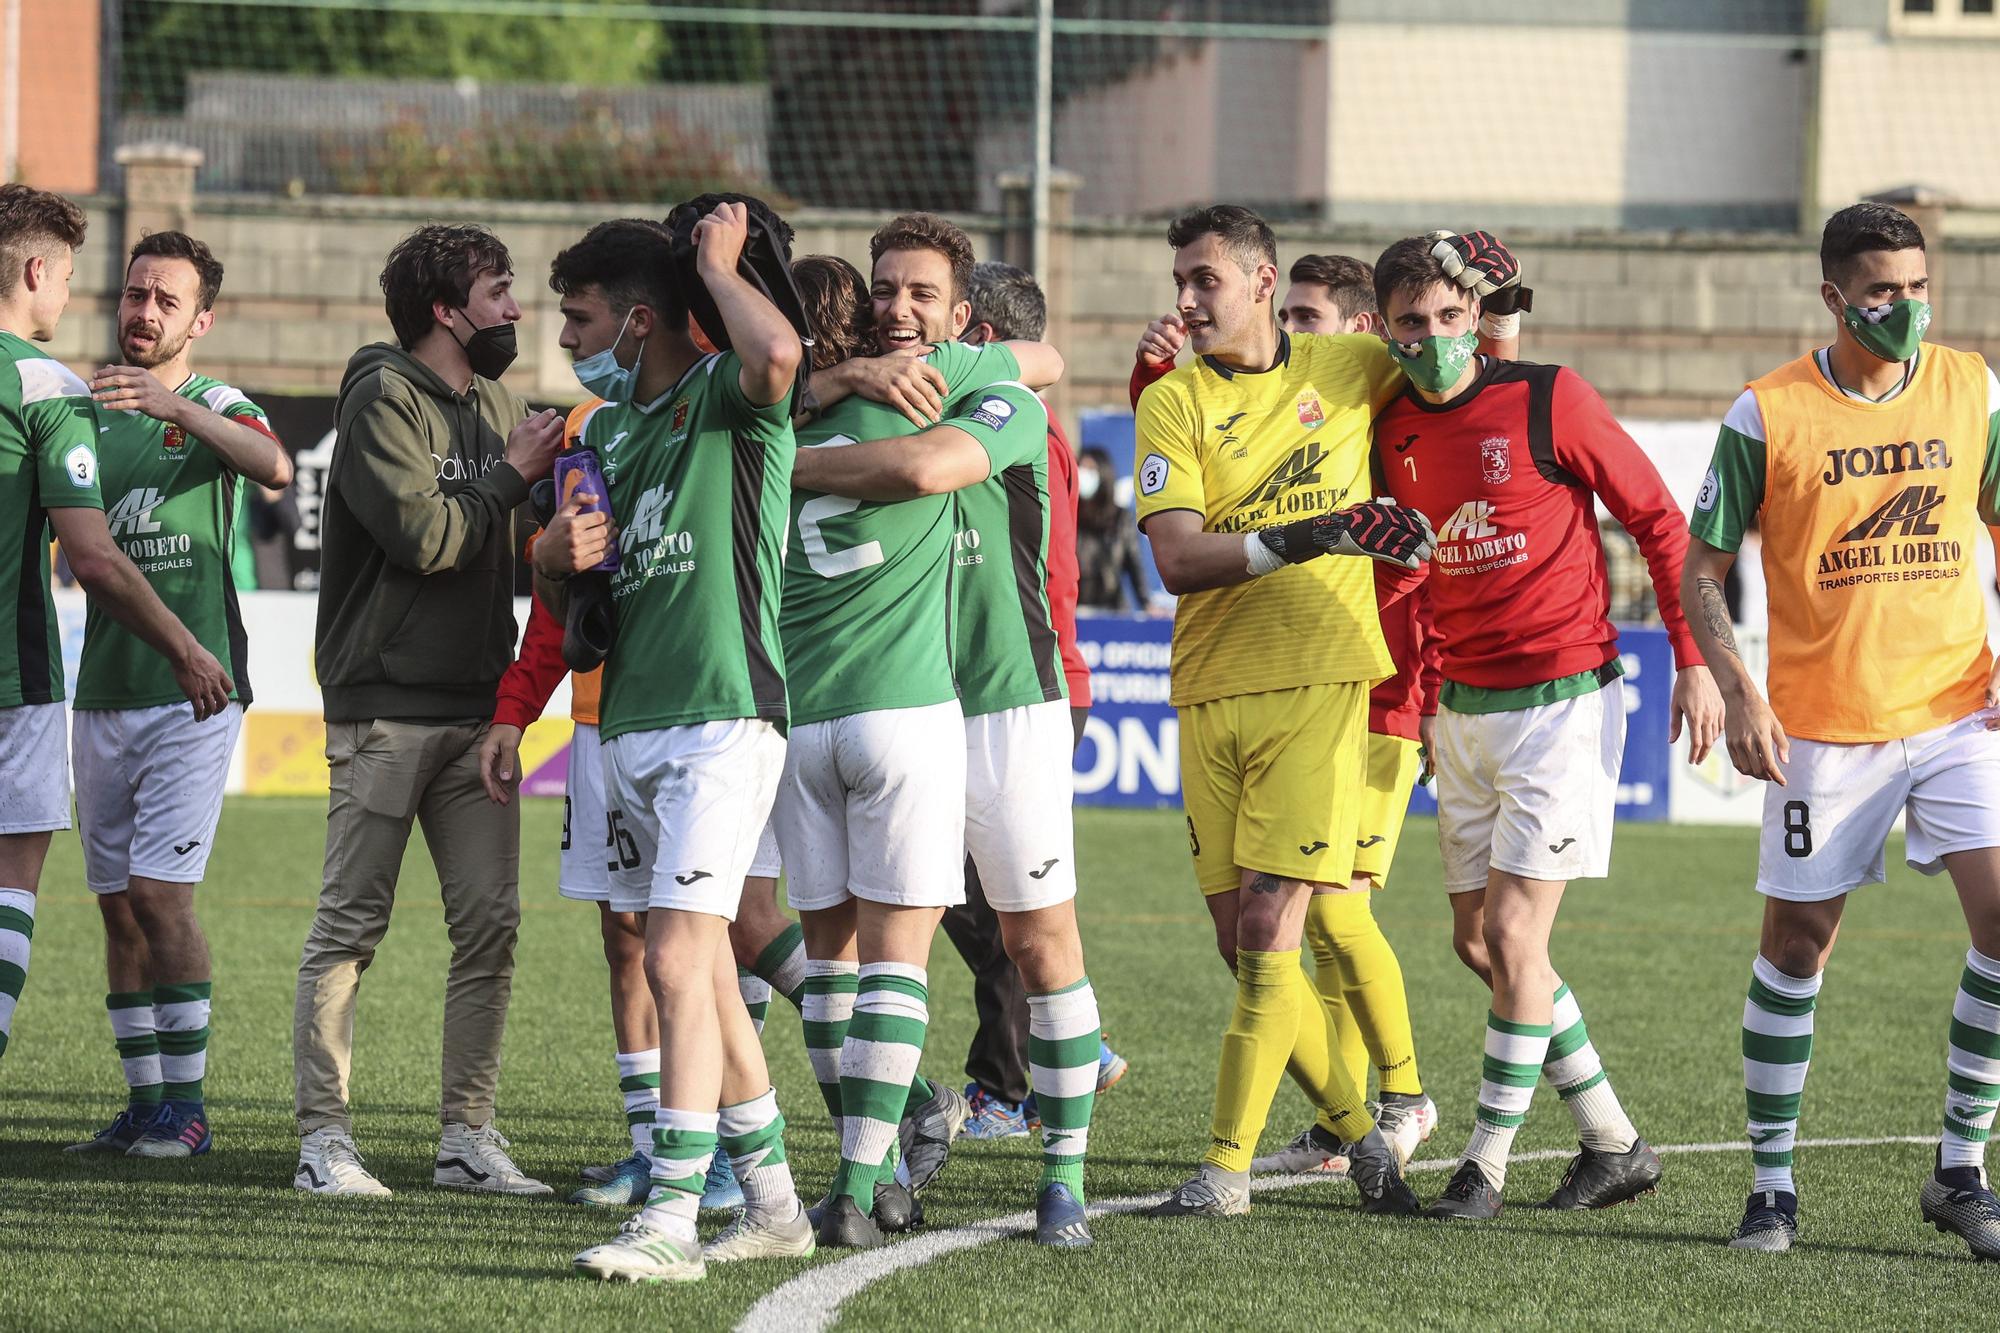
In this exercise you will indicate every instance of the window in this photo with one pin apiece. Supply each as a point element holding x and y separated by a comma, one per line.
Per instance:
<point>1944,18</point>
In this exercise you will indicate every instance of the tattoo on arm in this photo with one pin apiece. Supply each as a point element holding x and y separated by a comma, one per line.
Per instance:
<point>1715,612</point>
<point>1262,883</point>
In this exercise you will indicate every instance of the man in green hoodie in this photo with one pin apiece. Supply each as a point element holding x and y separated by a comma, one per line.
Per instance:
<point>431,458</point>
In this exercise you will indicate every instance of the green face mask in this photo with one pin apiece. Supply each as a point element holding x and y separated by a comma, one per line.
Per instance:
<point>1435,363</point>
<point>1891,331</point>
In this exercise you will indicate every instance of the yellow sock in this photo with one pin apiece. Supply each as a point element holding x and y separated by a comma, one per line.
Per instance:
<point>1373,982</point>
<point>1332,988</point>
<point>1343,1107</point>
<point>1254,1049</point>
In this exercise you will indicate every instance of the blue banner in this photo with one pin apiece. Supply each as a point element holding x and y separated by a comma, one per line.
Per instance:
<point>1131,750</point>
<point>1130,754</point>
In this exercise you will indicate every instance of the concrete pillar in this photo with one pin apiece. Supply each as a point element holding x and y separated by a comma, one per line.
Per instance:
<point>159,188</point>
<point>1926,206</point>
<point>1017,244</point>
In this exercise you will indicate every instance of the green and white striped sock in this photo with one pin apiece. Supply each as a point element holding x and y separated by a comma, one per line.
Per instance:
<point>1777,1048</point>
<point>825,1009</point>
<point>639,1085</point>
<point>1973,1066</point>
<point>782,964</point>
<point>1577,1075</point>
<point>684,1144</point>
<point>885,1041</point>
<point>1063,1035</point>
<point>1507,1077</point>
<point>138,1048</point>
<point>756,993</point>
<point>17,928</point>
<point>753,1134</point>
<point>180,1017</point>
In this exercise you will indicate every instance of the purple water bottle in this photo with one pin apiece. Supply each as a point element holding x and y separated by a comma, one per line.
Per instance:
<point>578,470</point>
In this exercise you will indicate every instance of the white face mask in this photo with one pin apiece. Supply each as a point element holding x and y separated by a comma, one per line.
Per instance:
<point>1088,482</point>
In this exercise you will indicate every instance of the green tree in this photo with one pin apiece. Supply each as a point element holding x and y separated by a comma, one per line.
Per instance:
<point>164,39</point>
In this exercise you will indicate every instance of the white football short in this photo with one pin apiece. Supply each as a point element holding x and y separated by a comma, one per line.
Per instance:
<point>1530,792</point>
<point>1825,829</point>
<point>686,806</point>
<point>149,791</point>
<point>872,806</point>
<point>34,768</point>
<point>1018,830</point>
<point>768,864</point>
<point>590,850</point>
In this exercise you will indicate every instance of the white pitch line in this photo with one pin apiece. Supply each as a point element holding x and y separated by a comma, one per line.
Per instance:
<point>810,1302</point>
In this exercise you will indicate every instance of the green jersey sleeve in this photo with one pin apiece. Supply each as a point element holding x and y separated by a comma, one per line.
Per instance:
<point>1010,423</point>
<point>1989,476</point>
<point>968,369</point>
<point>61,422</point>
<point>1733,491</point>
<point>769,424</point>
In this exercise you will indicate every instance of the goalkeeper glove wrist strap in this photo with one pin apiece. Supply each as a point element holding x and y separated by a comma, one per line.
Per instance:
<point>1263,557</point>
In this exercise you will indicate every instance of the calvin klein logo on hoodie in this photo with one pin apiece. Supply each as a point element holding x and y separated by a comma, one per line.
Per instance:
<point>457,468</point>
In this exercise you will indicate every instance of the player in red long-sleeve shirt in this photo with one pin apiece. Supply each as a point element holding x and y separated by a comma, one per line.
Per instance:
<point>1507,460</point>
<point>1355,971</point>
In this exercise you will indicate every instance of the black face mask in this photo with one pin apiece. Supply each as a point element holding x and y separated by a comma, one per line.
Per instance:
<point>489,351</point>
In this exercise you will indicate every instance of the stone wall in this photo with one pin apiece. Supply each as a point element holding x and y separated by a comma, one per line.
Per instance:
<point>1665,326</point>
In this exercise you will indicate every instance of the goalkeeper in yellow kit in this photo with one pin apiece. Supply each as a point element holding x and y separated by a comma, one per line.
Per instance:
<point>1253,466</point>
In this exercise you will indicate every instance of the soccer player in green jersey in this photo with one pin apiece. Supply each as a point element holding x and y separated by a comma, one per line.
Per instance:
<point>175,451</point>
<point>697,456</point>
<point>990,455</point>
<point>48,481</point>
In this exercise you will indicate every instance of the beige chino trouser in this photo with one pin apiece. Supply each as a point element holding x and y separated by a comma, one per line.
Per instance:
<point>384,775</point>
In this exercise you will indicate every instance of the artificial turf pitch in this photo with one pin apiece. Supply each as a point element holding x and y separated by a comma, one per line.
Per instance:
<point>1658,955</point>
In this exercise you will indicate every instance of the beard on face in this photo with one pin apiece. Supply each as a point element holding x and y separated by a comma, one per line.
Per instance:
<point>165,347</point>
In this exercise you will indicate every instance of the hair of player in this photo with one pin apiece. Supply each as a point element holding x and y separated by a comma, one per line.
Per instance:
<point>928,231</point>
<point>1009,300</point>
<point>1347,280</point>
<point>34,222</point>
<point>1246,236</point>
<point>180,245</point>
<point>629,260</point>
<point>1408,267</point>
<point>837,309</point>
<point>704,204</point>
<point>1861,229</point>
<point>439,261</point>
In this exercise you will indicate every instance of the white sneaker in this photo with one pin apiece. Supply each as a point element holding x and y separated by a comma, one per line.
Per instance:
<point>1407,1126</point>
<point>328,1164</point>
<point>1305,1153</point>
<point>641,1253</point>
<point>744,1239</point>
<point>477,1160</point>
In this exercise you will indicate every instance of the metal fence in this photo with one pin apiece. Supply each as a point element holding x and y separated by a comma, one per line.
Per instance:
<point>1564,114</point>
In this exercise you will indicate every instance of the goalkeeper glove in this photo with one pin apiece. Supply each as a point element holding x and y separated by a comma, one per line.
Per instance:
<point>1379,529</point>
<point>1481,265</point>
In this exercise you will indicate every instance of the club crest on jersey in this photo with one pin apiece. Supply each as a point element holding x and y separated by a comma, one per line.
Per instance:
<point>1311,414</point>
<point>677,425</point>
<point>174,443</point>
<point>1496,462</point>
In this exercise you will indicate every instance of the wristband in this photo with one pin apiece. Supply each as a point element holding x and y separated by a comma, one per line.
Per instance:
<point>1263,560</point>
<point>1500,328</point>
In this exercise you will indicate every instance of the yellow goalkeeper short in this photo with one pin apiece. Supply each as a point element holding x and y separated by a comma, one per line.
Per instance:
<point>1273,783</point>
<point>1392,771</point>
